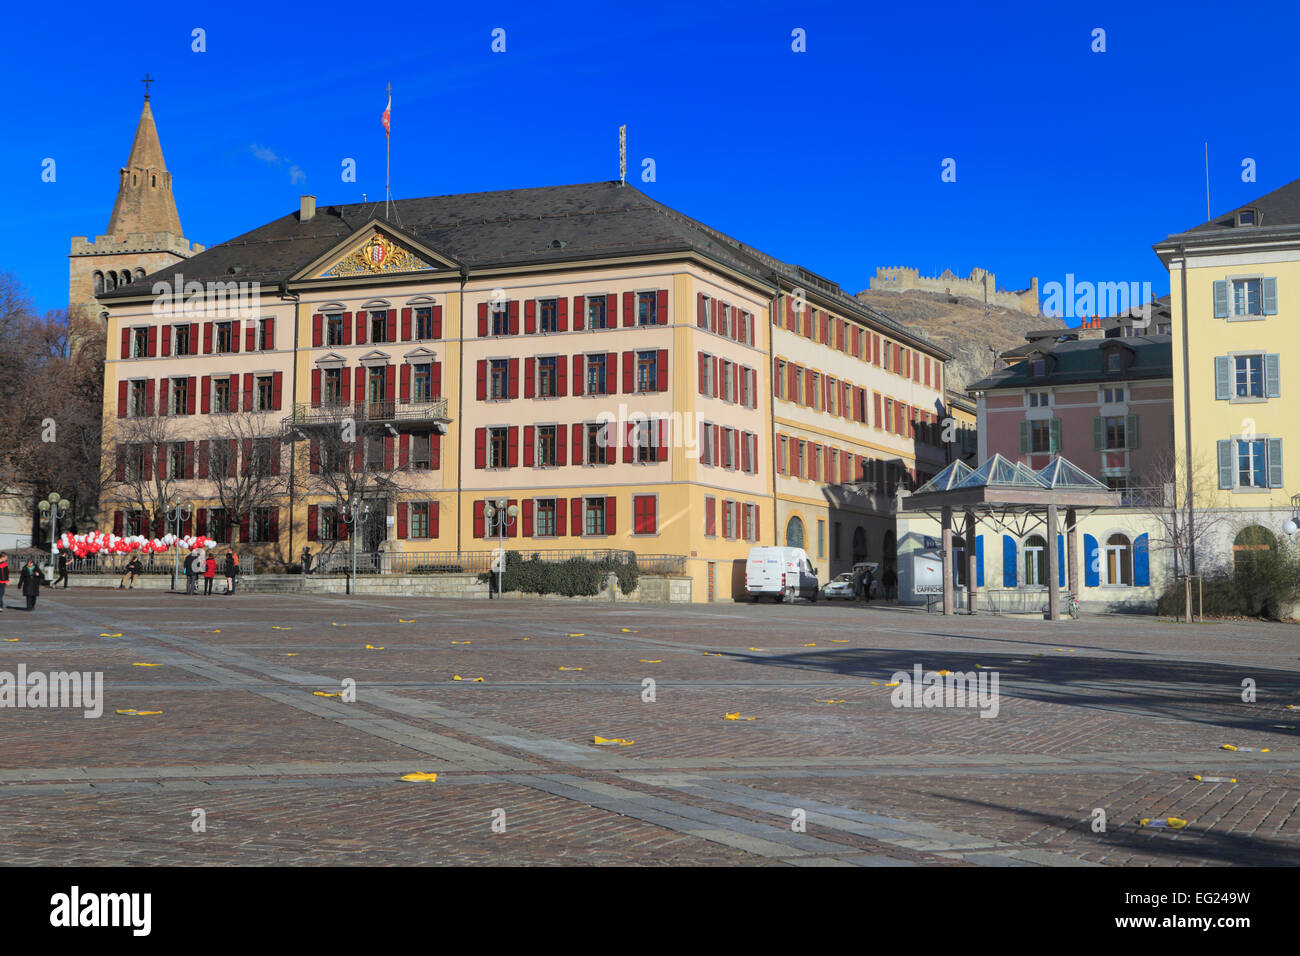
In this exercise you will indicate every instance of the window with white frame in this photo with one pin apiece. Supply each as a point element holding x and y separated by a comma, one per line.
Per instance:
<point>1117,563</point>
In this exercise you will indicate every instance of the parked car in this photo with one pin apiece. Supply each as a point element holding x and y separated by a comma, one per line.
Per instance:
<point>782,573</point>
<point>840,587</point>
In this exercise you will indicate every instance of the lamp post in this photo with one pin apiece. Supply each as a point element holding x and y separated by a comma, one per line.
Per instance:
<point>503,517</point>
<point>176,514</point>
<point>52,509</point>
<point>354,514</point>
<point>1292,524</point>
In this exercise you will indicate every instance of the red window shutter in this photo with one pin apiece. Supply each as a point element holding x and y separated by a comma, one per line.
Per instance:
<point>235,326</point>
<point>315,389</point>
<point>275,456</point>
<point>744,454</point>
<point>433,519</point>
<point>610,431</point>
<point>528,518</point>
<point>270,335</point>
<point>528,446</point>
<point>561,514</point>
<point>121,462</point>
<point>629,372</point>
<point>661,307</point>
<point>514,377</point>
<point>152,345</point>
<point>248,455</point>
<point>530,316</point>
<point>358,456</point>
<point>876,404</point>
<point>188,468</point>
<point>361,327</point>
<point>163,385</point>
<point>703,375</point>
<point>148,397</point>
<point>699,310</point>
<point>250,337</point>
<point>578,314</point>
<point>126,344</point>
<point>512,446</point>
<point>388,453</point>
<point>611,514</point>
<point>435,453</point>
<point>248,391</point>
<point>121,399</point>
<point>277,390</point>
<point>390,384</point>
<point>437,321</point>
<point>117,523</point>
<point>575,507</point>
<point>577,375</point>
<point>482,321</point>
<point>792,392</point>
<point>405,385</point>
<point>390,325</point>
<point>481,390</point>
<point>661,453</point>
<point>578,437</point>
<point>629,309</point>
<point>561,376</point>
<point>311,522</point>
<point>203,460</point>
<point>611,374</point>
<point>717,376</point>
<point>404,451</point>
<point>166,340</point>
<point>514,316</point>
<point>435,379</point>
<point>317,330</point>
<point>207,338</point>
<point>611,310</point>
<point>561,444</point>
<point>710,516</point>
<point>480,448</point>
<point>629,429</point>
<point>406,325</point>
<point>661,371</point>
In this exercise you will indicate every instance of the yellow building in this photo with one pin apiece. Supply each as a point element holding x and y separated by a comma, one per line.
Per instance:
<point>583,352</point>
<point>1235,296</point>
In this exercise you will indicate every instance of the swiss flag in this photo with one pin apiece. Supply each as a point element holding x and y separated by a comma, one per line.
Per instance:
<point>387,114</point>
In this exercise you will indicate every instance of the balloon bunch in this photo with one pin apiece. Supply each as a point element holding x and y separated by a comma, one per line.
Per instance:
<point>95,542</point>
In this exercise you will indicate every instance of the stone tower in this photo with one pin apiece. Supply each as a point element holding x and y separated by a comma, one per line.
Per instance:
<point>144,232</point>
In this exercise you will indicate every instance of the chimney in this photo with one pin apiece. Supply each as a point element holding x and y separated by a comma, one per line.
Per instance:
<point>307,210</point>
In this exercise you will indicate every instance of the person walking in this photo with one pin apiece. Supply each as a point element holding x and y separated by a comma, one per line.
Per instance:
<point>133,569</point>
<point>4,577</point>
<point>868,581</point>
<point>63,569</point>
<point>192,572</point>
<point>306,560</point>
<point>209,574</point>
<point>232,570</point>
<point>889,580</point>
<point>30,580</point>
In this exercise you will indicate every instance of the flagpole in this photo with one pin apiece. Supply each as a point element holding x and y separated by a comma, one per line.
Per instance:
<point>388,156</point>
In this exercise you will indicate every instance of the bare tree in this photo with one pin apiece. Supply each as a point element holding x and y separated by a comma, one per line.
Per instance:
<point>245,465</point>
<point>145,476</point>
<point>1187,526</point>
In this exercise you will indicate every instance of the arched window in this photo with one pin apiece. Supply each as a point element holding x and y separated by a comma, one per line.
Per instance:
<point>859,545</point>
<point>139,273</point>
<point>1035,561</point>
<point>110,281</point>
<point>1252,544</point>
<point>99,282</point>
<point>153,179</point>
<point>125,278</point>
<point>1117,564</point>
<point>889,552</point>
<point>794,534</point>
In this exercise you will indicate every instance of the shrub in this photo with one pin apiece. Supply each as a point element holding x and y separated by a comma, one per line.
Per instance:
<point>574,577</point>
<point>1257,584</point>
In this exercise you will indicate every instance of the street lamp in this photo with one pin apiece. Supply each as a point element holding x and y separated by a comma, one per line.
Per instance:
<point>175,515</point>
<point>354,514</point>
<point>52,509</point>
<point>504,517</point>
<point>1292,524</point>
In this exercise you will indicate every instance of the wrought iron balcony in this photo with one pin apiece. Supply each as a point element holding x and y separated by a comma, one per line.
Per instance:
<point>398,414</point>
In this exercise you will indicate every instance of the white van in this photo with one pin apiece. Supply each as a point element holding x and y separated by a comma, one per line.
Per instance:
<point>782,573</point>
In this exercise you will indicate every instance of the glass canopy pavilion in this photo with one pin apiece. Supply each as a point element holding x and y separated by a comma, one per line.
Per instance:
<point>1010,495</point>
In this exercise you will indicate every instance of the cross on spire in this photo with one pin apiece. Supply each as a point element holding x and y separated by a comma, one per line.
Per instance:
<point>146,81</point>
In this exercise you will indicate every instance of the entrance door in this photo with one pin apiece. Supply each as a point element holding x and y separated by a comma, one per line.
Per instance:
<point>712,574</point>
<point>376,527</point>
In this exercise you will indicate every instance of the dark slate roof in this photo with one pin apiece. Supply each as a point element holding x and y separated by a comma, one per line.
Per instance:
<point>512,227</point>
<point>1280,208</point>
<point>1080,362</point>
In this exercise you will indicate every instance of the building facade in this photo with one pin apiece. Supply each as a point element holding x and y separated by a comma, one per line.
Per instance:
<point>583,352</point>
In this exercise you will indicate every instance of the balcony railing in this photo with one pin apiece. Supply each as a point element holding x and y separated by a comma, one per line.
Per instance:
<point>434,410</point>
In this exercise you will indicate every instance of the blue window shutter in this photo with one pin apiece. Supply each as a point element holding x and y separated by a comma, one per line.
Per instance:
<point>1221,299</point>
<point>1225,464</point>
<point>1275,463</point>
<point>979,560</point>
<point>1273,375</point>
<point>1222,377</point>
<point>1141,562</point>
<point>1268,293</point>
<point>1060,560</point>
<point>1008,561</point>
<point>1092,562</point>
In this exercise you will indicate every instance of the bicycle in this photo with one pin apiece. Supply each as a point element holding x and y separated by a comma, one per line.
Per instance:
<point>1072,606</point>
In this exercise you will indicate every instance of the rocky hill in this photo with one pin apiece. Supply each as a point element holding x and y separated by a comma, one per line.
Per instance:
<point>965,327</point>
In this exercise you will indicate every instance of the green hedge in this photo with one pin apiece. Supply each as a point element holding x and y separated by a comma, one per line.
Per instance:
<point>1259,582</point>
<point>572,578</point>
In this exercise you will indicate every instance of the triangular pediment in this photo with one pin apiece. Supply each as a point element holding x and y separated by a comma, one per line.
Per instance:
<point>376,249</point>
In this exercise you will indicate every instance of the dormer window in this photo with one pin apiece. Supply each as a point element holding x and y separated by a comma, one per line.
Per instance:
<point>1247,217</point>
<point>1113,360</point>
<point>1038,367</point>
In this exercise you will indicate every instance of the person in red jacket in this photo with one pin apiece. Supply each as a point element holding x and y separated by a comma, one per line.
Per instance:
<point>4,577</point>
<point>209,573</point>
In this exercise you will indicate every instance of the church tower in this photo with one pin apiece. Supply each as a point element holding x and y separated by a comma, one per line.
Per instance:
<point>144,232</point>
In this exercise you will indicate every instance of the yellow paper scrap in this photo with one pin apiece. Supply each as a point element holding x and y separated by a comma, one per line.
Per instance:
<point>1171,823</point>
<point>736,716</point>
<point>371,647</point>
<point>143,664</point>
<point>401,621</point>
<point>840,701</point>
<point>810,645</point>
<point>279,627</point>
<point>472,680</point>
<point>612,741</point>
<point>118,634</point>
<point>321,693</point>
<point>132,712</point>
<point>575,635</point>
<point>570,668</point>
<point>420,777</point>
<point>467,642</point>
<point>291,655</point>
<point>644,661</point>
<point>833,641</point>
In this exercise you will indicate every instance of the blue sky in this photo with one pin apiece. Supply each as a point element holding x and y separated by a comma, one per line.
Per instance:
<point>1067,161</point>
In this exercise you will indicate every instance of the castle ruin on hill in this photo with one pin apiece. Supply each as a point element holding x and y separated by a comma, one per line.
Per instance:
<point>981,286</point>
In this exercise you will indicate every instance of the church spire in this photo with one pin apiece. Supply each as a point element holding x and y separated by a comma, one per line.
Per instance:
<point>144,197</point>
